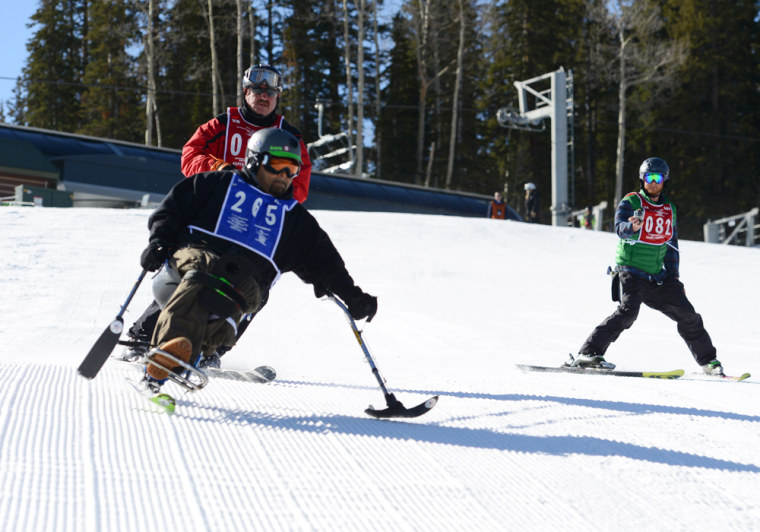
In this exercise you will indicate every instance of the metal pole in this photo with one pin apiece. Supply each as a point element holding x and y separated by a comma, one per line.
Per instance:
<point>559,148</point>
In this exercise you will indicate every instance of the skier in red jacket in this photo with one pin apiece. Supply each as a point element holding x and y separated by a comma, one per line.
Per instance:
<point>220,143</point>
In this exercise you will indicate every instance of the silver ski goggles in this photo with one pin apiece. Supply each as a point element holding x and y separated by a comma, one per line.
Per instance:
<point>256,77</point>
<point>261,90</point>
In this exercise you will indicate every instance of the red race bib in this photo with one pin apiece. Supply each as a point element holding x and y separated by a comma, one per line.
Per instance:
<point>237,135</point>
<point>657,226</point>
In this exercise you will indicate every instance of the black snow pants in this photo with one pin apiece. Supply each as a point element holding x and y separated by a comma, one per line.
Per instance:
<point>670,299</point>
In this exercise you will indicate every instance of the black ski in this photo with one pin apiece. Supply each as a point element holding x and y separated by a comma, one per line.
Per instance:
<point>676,373</point>
<point>397,409</point>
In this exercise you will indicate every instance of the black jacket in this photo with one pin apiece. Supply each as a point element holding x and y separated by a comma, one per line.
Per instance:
<point>304,248</point>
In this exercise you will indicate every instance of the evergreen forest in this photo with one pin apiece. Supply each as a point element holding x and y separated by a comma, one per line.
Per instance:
<point>417,85</point>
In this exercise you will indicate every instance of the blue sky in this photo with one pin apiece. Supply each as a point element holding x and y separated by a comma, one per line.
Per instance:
<point>15,16</point>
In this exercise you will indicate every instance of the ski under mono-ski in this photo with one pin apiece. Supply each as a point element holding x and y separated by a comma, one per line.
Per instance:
<point>674,374</point>
<point>163,402</point>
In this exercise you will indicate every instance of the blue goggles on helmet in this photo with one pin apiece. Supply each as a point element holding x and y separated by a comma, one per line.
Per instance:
<point>654,177</point>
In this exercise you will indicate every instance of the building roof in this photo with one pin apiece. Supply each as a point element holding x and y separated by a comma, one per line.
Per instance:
<point>131,171</point>
<point>23,158</point>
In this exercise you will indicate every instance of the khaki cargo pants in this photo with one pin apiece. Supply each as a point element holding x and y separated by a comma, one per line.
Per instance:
<point>184,315</point>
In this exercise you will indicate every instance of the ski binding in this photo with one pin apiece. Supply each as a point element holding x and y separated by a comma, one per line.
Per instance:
<point>191,378</point>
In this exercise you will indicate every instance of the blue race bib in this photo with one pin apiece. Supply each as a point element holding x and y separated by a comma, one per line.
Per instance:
<point>252,218</point>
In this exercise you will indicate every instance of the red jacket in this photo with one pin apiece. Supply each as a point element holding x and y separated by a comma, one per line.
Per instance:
<point>497,210</point>
<point>222,141</point>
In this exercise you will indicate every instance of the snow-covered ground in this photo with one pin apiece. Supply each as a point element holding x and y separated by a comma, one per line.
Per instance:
<point>461,302</point>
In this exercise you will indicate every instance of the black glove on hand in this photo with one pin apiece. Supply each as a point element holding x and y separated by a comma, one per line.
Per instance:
<point>320,290</point>
<point>361,305</point>
<point>154,255</point>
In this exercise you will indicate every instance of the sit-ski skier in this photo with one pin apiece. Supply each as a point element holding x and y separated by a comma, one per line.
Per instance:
<point>648,269</point>
<point>215,145</point>
<point>230,235</point>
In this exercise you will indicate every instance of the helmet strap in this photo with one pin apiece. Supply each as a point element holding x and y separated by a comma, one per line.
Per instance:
<point>252,168</point>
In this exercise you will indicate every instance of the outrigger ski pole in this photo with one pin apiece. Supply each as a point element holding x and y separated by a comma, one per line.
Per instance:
<point>395,408</point>
<point>103,347</point>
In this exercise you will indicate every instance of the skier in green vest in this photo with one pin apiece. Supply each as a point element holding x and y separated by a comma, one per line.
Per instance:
<point>647,265</point>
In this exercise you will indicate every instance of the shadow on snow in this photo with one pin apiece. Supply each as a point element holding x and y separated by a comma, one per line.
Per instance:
<point>489,439</point>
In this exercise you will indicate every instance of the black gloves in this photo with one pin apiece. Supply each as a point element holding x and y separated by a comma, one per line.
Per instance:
<point>154,255</point>
<point>320,290</point>
<point>361,305</point>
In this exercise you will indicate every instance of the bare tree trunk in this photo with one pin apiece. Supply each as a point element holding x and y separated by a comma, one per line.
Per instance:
<point>349,84</point>
<point>215,104</point>
<point>150,104</point>
<point>455,105</point>
<point>378,136</point>
<point>420,132</point>
<point>159,142</point>
<point>270,32</point>
<point>423,29</point>
<point>641,59</point>
<point>621,132</point>
<point>252,28</point>
<point>429,170</point>
<point>359,167</point>
<point>437,93</point>
<point>239,89</point>
<point>422,34</point>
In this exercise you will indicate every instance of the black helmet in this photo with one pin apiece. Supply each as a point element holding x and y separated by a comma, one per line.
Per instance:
<point>270,142</point>
<point>654,165</point>
<point>265,75</point>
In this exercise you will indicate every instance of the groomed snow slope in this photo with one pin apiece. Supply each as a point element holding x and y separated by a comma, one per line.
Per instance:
<point>461,302</point>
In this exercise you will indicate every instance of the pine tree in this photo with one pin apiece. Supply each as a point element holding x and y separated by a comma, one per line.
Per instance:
<point>111,101</point>
<point>595,106</point>
<point>51,81</point>
<point>715,105</point>
<point>311,65</point>
<point>399,124</point>
<point>541,36</point>
<point>472,171</point>
<point>184,92</point>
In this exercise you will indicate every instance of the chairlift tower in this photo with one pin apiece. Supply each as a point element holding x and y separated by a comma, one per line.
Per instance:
<point>536,105</point>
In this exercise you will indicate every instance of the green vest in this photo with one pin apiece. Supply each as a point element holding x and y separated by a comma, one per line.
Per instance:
<point>646,249</point>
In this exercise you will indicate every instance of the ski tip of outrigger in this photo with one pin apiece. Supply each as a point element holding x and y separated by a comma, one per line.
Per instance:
<point>397,409</point>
